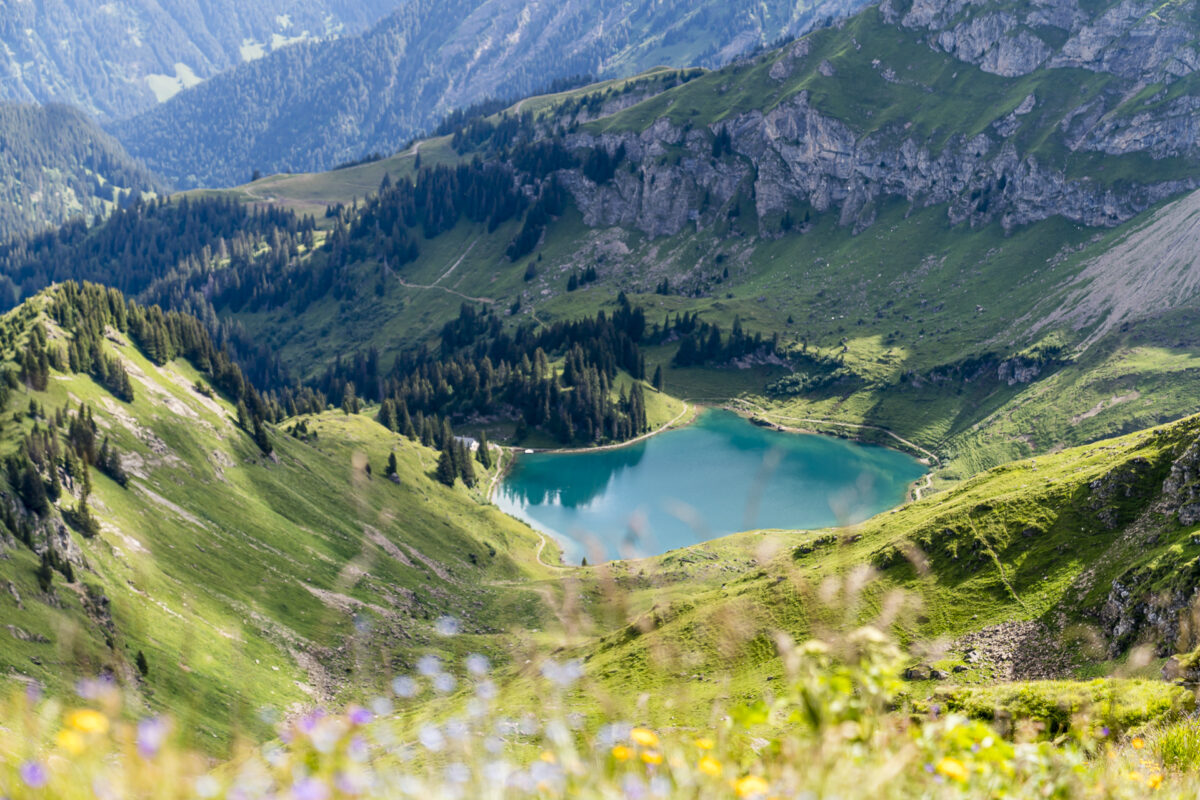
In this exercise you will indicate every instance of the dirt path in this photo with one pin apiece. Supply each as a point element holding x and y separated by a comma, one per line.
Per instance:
<point>934,461</point>
<point>434,286</point>
<point>407,285</point>
<point>454,266</point>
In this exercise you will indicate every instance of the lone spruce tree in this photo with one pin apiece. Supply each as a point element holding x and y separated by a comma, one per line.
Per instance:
<point>484,454</point>
<point>446,471</point>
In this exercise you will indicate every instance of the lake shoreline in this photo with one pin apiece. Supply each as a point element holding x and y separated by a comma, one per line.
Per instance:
<point>715,478</point>
<point>840,430</point>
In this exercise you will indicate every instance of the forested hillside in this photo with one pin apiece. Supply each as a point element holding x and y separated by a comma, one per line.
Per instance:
<point>118,58</point>
<point>56,164</point>
<point>159,529</point>
<point>313,107</point>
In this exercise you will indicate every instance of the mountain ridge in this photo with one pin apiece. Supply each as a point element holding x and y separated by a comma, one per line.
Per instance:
<point>116,59</point>
<point>314,107</point>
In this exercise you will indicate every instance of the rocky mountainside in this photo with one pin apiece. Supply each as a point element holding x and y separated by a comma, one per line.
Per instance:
<point>55,164</point>
<point>1062,112</point>
<point>314,107</point>
<point>115,59</point>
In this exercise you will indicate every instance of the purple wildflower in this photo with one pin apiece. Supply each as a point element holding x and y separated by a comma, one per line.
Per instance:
<point>34,774</point>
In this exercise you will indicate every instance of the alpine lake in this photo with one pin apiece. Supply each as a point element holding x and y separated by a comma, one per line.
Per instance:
<point>720,475</point>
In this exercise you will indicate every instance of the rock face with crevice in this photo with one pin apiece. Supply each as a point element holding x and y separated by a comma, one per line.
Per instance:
<point>1034,155</point>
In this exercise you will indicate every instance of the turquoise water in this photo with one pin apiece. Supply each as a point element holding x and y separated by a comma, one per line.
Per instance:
<point>718,476</point>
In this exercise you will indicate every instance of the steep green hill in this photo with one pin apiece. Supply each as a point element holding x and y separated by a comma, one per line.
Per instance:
<point>248,585</point>
<point>56,164</point>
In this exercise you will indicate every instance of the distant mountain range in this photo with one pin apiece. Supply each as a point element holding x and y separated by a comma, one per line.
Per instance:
<point>312,107</point>
<point>115,59</point>
<point>55,164</point>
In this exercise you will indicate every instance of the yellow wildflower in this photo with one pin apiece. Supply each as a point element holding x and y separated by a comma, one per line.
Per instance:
<point>710,767</point>
<point>1138,743</point>
<point>705,743</point>
<point>644,736</point>
<point>750,786</point>
<point>548,757</point>
<point>622,753</point>
<point>953,769</point>
<point>652,757</point>
<point>1155,780</point>
<point>87,721</point>
<point>70,741</point>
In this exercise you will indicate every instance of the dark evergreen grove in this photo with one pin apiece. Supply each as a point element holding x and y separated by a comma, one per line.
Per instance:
<point>485,372</point>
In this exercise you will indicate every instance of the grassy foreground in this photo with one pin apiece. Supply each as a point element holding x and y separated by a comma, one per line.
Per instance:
<point>838,726</point>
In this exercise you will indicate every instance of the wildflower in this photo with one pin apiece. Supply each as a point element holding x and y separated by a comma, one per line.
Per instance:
<point>310,789</point>
<point>644,736</point>
<point>710,767</point>
<point>1138,743</point>
<point>652,757</point>
<point>705,743</point>
<point>953,769</point>
<point>478,665</point>
<point>404,686</point>
<point>444,682</point>
<point>34,775</point>
<point>622,752</point>
<point>70,741</point>
<point>457,773</point>
<point>548,757</point>
<point>751,786</point>
<point>431,738</point>
<point>1155,780</point>
<point>207,786</point>
<point>359,715</point>
<point>457,730</point>
<point>563,675</point>
<point>87,721</point>
<point>151,734</point>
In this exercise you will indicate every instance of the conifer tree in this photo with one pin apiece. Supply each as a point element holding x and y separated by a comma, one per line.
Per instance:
<point>466,468</point>
<point>387,414</point>
<point>484,453</point>
<point>446,472</point>
<point>406,424</point>
<point>392,467</point>
<point>45,573</point>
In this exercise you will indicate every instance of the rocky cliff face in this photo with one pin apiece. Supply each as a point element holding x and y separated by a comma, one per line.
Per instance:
<point>1158,602</point>
<point>1018,164</point>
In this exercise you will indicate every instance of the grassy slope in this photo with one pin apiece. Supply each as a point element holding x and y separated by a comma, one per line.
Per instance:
<point>1025,541</point>
<point>254,585</point>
